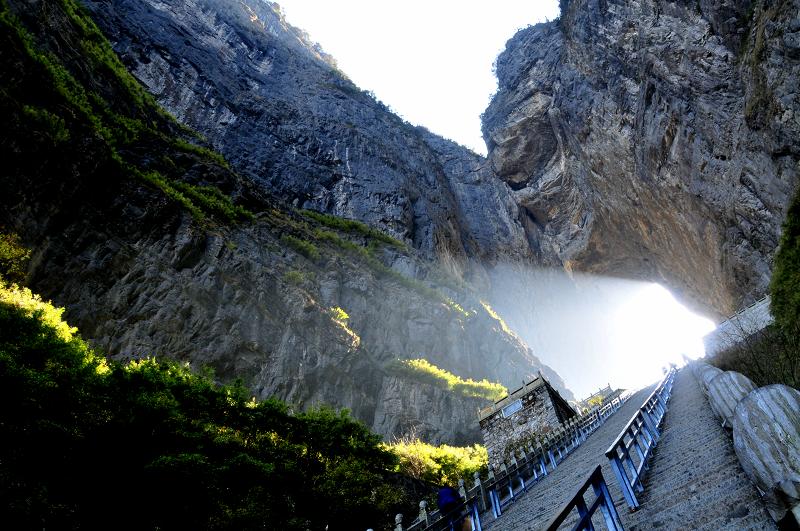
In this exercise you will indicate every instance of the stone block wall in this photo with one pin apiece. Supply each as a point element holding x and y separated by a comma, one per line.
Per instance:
<point>537,416</point>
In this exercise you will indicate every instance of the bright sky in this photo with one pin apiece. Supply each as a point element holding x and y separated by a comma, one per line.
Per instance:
<point>651,330</point>
<point>429,60</point>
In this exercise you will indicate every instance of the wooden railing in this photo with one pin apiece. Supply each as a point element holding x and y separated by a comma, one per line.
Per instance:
<point>602,501</point>
<point>632,448</point>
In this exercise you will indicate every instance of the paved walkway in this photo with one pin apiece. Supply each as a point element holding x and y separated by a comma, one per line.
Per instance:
<point>694,481</point>
<point>535,508</point>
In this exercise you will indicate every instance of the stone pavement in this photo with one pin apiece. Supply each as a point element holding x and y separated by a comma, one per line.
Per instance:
<point>535,508</point>
<point>694,481</point>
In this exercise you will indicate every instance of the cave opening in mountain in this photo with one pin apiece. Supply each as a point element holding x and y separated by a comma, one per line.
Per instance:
<point>595,330</point>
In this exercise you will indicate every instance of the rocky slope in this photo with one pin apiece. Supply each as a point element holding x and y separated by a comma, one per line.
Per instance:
<point>655,140</point>
<point>114,199</point>
<point>282,113</point>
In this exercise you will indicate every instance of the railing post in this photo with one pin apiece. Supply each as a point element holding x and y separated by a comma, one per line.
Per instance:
<point>650,426</point>
<point>610,514</point>
<point>624,484</point>
<point>552,457</point>
<point>583,510</point>
<point>398,522</point>
<point>481,490</point>
<point>476,518</point>
<point>423,512</point>
<point>461,490</point>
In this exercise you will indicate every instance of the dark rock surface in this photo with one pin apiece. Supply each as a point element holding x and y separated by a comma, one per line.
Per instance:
<point>654,140</point>
<point>282,113</point>
<point>140,276</point>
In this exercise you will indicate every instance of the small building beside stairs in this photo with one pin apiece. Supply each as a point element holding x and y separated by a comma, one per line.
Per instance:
<point>532,411</point>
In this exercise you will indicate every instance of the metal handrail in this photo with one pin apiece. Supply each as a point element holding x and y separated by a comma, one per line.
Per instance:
<point>517,478</point>
<point>604,502</point>
<point>634,445</point>
<point>526,469</point>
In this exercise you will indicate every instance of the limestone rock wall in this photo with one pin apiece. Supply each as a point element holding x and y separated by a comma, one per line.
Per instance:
<point>654,140</point>
<point>284,115</point>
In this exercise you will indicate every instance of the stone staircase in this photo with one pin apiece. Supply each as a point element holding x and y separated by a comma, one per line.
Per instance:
<point>535,508</point>
<point>694,481</point>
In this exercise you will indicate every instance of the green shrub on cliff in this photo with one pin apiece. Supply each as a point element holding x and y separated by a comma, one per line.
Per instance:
<point>424,370</point>
<point>785,286</point>
<point>13,258</point>
<point>71,90</point>
<point>87,443</point>
<point>442,465</point>
<point>306,248</point>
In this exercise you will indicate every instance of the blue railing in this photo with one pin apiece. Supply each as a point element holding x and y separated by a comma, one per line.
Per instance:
<point>631,450</point>
<point>602,501</point>
<point>526,467</point>
<point>517,477</point>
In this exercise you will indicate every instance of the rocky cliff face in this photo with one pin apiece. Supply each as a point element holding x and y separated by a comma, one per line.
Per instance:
<point>285,116</point>
<point>647,139</point>
<point>644,139</point>
<point>654,140</point>
<point>92,184</point>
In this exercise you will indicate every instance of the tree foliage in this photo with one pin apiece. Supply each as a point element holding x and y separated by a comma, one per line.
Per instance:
<point>424,370</point>
<point>442,465</point>
<point>13,258</point>
<point>150,444</point>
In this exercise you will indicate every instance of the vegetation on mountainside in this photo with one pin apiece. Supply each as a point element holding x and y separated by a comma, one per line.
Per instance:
<point>773,355</point>
<point>442,465</point>
<point>422,370</point>
<point>85,439</point>
<point>785,286</point>
<point>13,258</point>
<point>770,356</point>
<point>87,90</point>
<point>311,242</point>
<point>352,226</point>
<point>494,315</point>
<point>306,248</point>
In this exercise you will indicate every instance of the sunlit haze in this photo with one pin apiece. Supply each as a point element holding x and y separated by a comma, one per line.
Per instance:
<point>429,61</point>
<point>596,330</point>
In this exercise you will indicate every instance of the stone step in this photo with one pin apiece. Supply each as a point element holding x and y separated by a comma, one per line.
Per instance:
<point>693,481</point>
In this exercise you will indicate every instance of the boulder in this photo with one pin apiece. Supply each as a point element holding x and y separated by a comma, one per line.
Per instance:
<point>725,392</point>
<point>766,437</point>
<point>705,373</point>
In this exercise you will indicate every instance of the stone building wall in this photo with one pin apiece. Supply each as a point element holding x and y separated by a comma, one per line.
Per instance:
<point>537,416</point>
